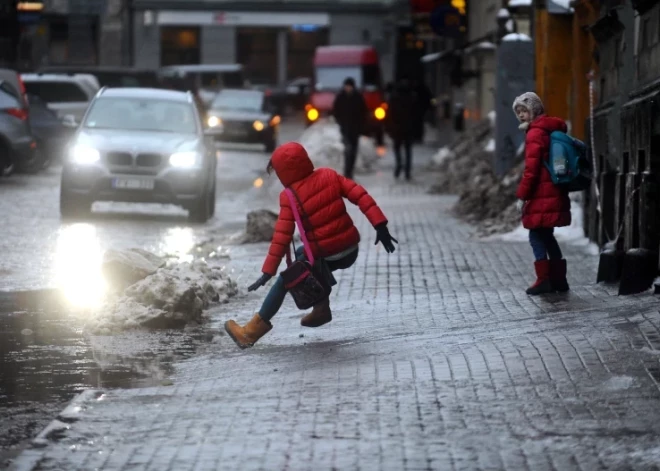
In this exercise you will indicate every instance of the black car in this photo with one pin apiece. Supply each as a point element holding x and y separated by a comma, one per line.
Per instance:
<point>246,116</point>
<point>50,133</point>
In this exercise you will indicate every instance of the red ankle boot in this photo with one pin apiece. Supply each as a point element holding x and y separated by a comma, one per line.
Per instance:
<point>542,284</point>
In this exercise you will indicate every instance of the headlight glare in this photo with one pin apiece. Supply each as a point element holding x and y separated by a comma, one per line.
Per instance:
<point>214,122</point>
<point>85,155</point>
<point>183,159</point>
<point>258,126</point>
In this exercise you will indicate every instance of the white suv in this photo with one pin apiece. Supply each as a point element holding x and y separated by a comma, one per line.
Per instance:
<point>66,94</point>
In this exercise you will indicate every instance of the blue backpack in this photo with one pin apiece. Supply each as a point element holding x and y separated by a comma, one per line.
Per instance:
<point>569,164</point>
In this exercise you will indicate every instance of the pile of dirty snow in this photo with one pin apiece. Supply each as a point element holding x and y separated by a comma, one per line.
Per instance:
<point>465,168</point>
<point>172,296</point>
<point>323,143</point>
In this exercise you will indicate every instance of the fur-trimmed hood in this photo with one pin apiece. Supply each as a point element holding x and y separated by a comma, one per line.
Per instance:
<point>531,102</point>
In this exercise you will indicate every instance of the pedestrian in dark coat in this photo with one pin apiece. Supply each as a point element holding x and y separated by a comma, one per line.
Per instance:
<point>423,95</point>
<point>544,205</point>
<point>350,112</point>
<point>401,109</point>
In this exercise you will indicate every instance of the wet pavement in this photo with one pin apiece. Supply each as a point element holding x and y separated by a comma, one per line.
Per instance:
<point>435,360</point>
<point>49,279</point>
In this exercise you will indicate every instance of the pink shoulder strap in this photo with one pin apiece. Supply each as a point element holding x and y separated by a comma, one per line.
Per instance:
<point>301,229</point>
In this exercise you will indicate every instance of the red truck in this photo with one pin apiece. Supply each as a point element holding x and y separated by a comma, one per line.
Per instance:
<point>332,64</point>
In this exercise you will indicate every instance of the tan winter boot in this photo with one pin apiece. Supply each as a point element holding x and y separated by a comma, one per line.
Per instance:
<point>248,335</point>
<point>321,314</point>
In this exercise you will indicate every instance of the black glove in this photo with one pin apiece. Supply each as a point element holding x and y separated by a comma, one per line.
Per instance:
<point>384,237</point>
<point>260,282</point>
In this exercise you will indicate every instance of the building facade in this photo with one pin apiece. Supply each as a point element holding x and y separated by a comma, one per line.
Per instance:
<point>275,41</point>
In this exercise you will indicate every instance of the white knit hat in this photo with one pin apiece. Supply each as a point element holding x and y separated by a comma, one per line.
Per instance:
<point>531,102</point>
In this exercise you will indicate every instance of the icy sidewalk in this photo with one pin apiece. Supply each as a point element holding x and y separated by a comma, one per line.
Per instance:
<point>435,359</point>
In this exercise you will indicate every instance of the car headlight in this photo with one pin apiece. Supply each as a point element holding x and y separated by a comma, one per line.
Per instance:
<point>85,155</point>
<point>312,114</point>
<point>214,122</point>
<point>380,113</point>
<point>184,159</point>
<point>258,125</point>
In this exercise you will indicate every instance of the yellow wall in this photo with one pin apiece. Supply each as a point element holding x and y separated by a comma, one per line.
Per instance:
<point>563,58</point>
<point>554,57</point>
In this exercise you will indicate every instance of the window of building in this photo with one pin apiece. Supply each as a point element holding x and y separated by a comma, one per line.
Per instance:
<point>179,45</point>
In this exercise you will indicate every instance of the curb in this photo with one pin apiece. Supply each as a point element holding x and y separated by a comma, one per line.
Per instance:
<point>29,459</point>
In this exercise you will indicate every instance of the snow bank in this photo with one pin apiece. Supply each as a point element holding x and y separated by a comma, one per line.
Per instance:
<point>571,235</point>
<point>516,37</point>
<point>324,145</point>
<point>442,155</point>
<point>171,297</point>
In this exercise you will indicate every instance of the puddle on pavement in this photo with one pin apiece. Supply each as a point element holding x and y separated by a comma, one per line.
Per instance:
<point>45,361</point>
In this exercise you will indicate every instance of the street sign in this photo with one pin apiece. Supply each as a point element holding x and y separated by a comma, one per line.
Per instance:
<point>447,21</point>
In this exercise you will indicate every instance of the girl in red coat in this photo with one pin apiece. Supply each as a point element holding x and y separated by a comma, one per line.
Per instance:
<point>544,206</point>
<point>331,234</point>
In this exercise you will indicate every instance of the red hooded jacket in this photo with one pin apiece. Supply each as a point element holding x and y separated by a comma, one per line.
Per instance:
<point>547,205</point>
<point>329,228</point>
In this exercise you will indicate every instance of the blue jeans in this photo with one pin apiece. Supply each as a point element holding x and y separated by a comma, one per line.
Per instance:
<point>544,245</point>
<point>277,293</point>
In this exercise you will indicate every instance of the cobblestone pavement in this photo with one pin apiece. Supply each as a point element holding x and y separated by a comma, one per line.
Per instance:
<point>435,360</point>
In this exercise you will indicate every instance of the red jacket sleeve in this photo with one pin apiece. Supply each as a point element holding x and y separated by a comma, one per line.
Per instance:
<point>284,228</point>
<point>533,163</point>
<point>357,195</point>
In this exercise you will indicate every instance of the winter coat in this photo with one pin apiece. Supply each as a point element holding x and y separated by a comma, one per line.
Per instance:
<point>350,112</point>
<point>329,228</point>
<point>547,205</point>
<point>401,113</point>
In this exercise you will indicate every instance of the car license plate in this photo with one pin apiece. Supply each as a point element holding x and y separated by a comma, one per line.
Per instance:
<point>133,184</point>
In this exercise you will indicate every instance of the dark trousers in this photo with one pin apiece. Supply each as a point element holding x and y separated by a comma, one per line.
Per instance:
<point>351,143</point>
<point>544,245</point>
<point>407,144</point>
<point>277,293</point>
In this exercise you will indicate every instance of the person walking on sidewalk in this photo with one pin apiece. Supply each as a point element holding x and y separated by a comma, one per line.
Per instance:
<point>332,236</point>
<point>400,123</point>
<point>350,112</point>
<point>543,205</point>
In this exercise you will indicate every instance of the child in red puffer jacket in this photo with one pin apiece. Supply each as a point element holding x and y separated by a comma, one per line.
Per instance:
<point>543,205</point>
<point>330,230</point>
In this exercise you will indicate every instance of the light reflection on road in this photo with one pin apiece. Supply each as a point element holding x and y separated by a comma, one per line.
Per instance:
<point>78,257</point>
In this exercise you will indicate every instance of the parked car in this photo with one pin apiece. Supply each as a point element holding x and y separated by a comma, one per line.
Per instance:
<point>49,132</point>
<point>206,80</point>
<point>110,76</point>
<point>140,145</point>
<point>246,116</point>
<point>17,147</point>
<point>298,92</point>
<point>65,94</point>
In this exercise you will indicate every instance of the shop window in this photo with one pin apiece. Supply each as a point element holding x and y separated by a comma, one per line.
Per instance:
<point>179,46</point>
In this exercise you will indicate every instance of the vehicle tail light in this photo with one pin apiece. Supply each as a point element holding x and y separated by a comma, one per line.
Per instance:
<point>312,114</point>
<point>267,93</point>
<point>19,113</point>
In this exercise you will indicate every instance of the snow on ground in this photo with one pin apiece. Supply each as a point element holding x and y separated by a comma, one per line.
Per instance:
<point>516,37</point>
<point>490,145</point>
<point>326,149</point>
<point>443,154</point>
<point>172,297</point>
<point>572,235</point>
